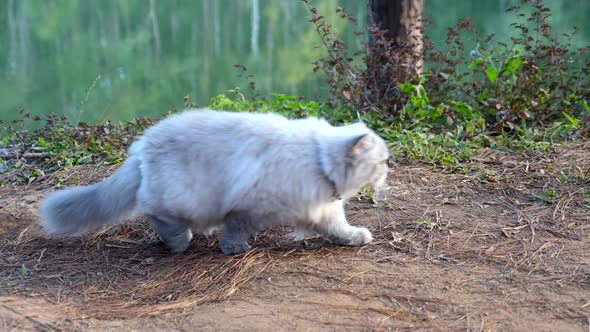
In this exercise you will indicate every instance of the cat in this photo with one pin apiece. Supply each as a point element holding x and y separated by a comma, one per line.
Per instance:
<point>202,170</point>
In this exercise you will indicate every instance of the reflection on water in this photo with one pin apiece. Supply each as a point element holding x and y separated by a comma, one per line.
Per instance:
<point>115,59</point>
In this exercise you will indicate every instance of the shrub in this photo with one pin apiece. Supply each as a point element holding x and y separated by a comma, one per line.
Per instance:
<point>535,81</point>
<point>364,82</point>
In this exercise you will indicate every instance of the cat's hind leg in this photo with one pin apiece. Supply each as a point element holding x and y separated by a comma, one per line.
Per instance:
<point>175,235</point>
<point>238,226</point>
<point>336,228</point>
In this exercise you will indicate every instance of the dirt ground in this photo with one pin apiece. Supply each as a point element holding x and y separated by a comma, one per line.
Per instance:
<point>501,246</point>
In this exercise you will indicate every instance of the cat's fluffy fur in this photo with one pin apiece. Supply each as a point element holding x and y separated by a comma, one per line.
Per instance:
<point>201,170</point>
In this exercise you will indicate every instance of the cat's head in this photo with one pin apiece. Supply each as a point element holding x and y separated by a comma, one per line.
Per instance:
<point>367,163</point>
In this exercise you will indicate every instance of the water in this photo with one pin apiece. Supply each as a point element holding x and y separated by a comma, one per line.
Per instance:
<point>117,59</point>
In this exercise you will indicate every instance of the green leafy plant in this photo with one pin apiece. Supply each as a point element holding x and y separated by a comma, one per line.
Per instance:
<point>363,82</point>
<point>434,225</point>
<point>536,80</point>
<point>290,106</point>
<point>58,144</point>
<point>548,196</point>
<point>312,245</point>
<point>24,272</point>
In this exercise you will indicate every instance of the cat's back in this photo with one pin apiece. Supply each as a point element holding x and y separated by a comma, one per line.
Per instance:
<point>205,121</point>
<point>222,126</point>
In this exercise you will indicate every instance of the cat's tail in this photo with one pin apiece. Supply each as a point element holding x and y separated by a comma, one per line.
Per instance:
<point>75,211</point>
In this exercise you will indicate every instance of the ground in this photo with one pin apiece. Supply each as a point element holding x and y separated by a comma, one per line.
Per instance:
<point>501,243</point>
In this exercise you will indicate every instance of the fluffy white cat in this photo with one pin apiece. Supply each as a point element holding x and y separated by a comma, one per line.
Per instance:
<point>201,170</point>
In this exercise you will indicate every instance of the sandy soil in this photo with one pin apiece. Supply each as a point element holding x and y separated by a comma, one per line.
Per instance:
<point>504,246</point>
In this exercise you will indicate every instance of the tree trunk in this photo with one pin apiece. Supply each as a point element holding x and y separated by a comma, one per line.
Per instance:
<point>205,77</point>
<point>193,77</point>
<point>12,32</point>
<point>216,28</point>
<point>403,20</point>
<point>174,24</point>
<point>155,31</point>
<point>116,24</point>
<point>23,44</point>
<point>255,27</point>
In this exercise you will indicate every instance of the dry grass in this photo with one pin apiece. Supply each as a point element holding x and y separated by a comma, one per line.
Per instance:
<point>511,229</point>
<point>123,272</point>
<point>522,210</point>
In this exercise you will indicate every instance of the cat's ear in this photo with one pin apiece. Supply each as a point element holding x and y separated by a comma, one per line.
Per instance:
<point>361,144</point>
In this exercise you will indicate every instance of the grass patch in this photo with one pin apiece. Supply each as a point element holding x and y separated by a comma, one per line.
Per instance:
<point>547,196</point>
<point>27,156</point>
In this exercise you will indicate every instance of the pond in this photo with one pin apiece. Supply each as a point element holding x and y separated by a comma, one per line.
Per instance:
<point>116,59</point>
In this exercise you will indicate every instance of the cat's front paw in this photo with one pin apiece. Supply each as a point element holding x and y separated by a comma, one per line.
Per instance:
<point>360,237</point>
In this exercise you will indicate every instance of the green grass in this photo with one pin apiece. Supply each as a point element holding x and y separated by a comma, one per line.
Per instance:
<point>547,196</point>
<point>434,225</point>
<point>62,145</point>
